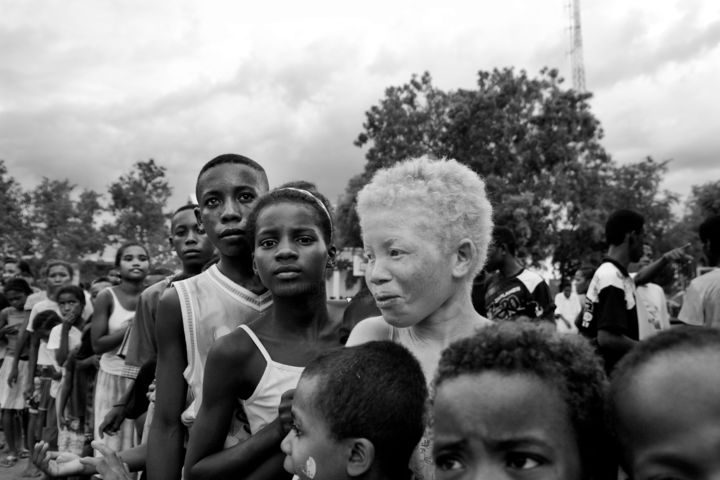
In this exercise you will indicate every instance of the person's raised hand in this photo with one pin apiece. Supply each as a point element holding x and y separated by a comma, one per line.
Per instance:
<point>678,254</point>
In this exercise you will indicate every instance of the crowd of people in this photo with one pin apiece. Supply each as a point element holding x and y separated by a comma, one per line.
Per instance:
<point>453,361</point>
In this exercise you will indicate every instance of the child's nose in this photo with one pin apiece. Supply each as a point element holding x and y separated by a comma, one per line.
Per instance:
<point>285,444</point>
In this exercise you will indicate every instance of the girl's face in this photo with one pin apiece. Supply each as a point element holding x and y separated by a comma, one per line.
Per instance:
<point>10,270</point>
<point>16,299</point>
<point>290,254</point>
<point>134,263</point>
<point>499,426</point>
<point>408,272</point>
<point>58,276</point>
<point>70,306</point>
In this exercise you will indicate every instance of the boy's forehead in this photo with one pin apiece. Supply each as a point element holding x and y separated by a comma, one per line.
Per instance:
<point>186,216</point>
<point>231,175</point>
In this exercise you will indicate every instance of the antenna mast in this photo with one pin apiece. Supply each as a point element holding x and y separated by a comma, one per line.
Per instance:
<point>577,62</point>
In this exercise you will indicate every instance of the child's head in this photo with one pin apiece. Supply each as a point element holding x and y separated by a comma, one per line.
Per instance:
<point>426,226</point>
<point>11,269</point>
<point>518,399</point>
<point>98,285</point>
<point>582,278</point>
<point>16,292</point>
<point>44,322</point>
<point>188,240</point>
<point>443,200</point>
<point>357,409</point>
<point>133,261</point>
<point>57,274</point>
<point>227,188</point>
<point>292,232</point>
<point>709,232</point>
<point>71,298</point>
<point>114,276</point>
<point>664,406</point>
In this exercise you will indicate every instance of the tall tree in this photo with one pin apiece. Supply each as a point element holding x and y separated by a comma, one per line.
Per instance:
<point>137,202</point>
<point>536,143</point>
<point>532,141</point>
<point>14,229</point>
<point>64,227</point>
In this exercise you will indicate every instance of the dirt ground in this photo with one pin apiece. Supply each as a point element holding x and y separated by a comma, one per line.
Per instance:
<point>14,472</point>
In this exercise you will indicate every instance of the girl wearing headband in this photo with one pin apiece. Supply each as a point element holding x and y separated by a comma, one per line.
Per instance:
<point>292,230</point>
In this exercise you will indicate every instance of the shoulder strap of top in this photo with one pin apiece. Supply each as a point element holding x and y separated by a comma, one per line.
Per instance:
<point>115,298</point>
<point>257,343</point>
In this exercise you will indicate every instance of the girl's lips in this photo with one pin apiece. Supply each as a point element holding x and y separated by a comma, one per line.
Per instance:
<point>385,300</point>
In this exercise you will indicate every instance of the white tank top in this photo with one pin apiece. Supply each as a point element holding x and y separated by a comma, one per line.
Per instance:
<point>212,305</point>
<point>110,362</point>
<point>261,407</point>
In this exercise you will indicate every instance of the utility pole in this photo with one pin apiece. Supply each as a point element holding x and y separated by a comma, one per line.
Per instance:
<point>577,62</point>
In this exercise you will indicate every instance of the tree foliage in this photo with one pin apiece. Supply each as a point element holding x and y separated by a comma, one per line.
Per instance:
<point>14,229</point>
<point>64,227</point>
<point>538,146</point>
<point>137,202</point>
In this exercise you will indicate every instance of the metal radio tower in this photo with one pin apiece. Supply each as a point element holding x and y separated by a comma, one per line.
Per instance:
<point>576,47</point>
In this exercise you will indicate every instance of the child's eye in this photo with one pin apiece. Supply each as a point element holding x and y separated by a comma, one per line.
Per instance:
<point>211,202</point>
<point>394,252</point>
<point>305,240</point>
<point>295,429</point>
<point>368,256</point>
<point>523,461</point>
<point>267,243</point>
<point>246,197</point>
<point>447,463</point>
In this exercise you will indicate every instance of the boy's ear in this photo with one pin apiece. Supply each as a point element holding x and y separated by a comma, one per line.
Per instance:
<point>362,457</point>
<point>254,267</point>
<point>463,257</point>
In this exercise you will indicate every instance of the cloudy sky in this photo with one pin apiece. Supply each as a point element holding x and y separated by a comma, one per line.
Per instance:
<point>89,87</point>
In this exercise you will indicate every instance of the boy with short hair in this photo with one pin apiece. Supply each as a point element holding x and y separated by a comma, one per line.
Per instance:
<point>357,413</point>
<point>664,406</point>
<point>198,310</point>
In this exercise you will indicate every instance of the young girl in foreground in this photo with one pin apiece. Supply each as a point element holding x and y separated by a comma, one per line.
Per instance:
<point>519,401</point>
<point>114,308</point>
<point>664,406</point>
<point>258,362</point>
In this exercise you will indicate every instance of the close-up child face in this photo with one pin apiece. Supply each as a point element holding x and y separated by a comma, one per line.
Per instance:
<point>69,305</point>
<point>408,271</point>
<point>58,276</point>
<point>134,263</point>
<point>290,251</point>
<point>226,195</point>
<point>669,418</point>
<point>311,452</point>
<point>496,426</point>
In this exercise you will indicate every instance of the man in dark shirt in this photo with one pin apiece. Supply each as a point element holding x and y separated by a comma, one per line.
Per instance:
<point>511,290</point>
<point>610,319</point>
